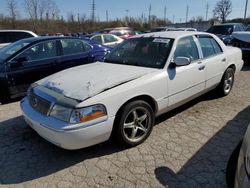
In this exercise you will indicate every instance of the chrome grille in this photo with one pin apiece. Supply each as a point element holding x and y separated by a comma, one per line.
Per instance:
<point>38,103</point>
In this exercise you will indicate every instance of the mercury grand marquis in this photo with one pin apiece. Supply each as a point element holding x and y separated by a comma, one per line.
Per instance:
<point>143,77</point>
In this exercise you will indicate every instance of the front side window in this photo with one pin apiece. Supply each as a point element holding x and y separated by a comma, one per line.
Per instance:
<point>186,47</point>
<point>209,46</point>
<point>146,52</point>
<point>72,46</point>
<point>40,51</point>
<point>9,50</point>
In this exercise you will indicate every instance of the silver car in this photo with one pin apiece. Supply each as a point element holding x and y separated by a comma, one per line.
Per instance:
<point>242,174</point>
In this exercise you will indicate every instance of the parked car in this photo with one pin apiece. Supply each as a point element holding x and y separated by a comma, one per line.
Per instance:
<point>184,29</point>
<point>107,39</point>
<point>238,169</point>
<point>224,31</point>
<point>9,36</point>
<point>123,32</point>
<point>28,60</point>
<point>242,41</point>
<point>143,77</point>
<point>158,29</point>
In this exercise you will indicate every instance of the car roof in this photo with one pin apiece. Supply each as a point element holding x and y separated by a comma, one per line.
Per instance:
<point>170,34</point>
<point>45,38</point>
<point>14,30</point>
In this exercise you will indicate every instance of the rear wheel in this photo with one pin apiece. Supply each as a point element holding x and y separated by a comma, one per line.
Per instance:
<point>227,82</point>
<point>135,123</point>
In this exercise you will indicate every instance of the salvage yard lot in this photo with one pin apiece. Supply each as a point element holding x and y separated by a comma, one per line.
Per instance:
<point>189,147</point>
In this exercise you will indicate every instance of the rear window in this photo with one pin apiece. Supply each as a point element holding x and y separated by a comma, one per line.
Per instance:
<point>9,37</point>
<point>221,29</point>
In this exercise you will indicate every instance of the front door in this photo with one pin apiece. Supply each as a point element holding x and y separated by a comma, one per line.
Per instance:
<point>186,81</point>
<point>31,65</point>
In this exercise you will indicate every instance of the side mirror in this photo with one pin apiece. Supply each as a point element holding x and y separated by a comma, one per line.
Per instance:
<point>182,61</point>
<point>18,62</point>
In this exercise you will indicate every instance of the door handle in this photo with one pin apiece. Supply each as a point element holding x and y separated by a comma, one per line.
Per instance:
<point>224,60</point>
<point>202,67</point>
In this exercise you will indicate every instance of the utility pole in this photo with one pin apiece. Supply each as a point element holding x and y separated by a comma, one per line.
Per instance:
<point>149,14</point>
<point>165,14</point>
<point>207,7</point>
<point>187,11</point>
<point>107,15</point>
<point>245,15</point>
<point>93,11</point>
<point>173,18</point>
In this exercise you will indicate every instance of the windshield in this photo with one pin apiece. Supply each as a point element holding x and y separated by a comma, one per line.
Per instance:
<point>146,52</point>
<point>7,51</point>
<point>222,29</point>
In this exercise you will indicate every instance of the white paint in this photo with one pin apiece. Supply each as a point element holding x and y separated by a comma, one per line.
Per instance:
<point>168,87</point>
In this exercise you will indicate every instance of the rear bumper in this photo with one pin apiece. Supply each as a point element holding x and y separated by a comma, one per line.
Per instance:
<point>48,128</point>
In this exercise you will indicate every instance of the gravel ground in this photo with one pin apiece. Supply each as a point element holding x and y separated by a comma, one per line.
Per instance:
<point>189,147</point>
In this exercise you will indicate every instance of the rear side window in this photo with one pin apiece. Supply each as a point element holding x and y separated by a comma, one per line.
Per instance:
<point>209,46</point>
<point>72,46</point>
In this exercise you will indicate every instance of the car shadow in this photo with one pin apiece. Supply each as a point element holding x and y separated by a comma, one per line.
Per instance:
<point>207,167</point>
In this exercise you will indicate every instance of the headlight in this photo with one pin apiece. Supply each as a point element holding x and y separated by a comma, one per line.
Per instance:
<point>61,112</point>
<point>87,113</point>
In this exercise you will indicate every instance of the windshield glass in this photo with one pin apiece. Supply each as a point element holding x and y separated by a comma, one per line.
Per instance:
<point>7,51</point>
<point>222,29</point>
<point>146,52</point>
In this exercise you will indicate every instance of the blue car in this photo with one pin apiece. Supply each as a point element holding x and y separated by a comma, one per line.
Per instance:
<point>29,60</point>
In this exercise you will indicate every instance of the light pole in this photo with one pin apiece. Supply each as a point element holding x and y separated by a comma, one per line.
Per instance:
<point>245,15</point>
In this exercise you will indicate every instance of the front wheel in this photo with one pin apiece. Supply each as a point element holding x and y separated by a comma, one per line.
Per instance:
<point>227,82</point>
<point>135,123</point>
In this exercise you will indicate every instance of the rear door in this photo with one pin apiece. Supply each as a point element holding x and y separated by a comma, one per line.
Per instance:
<point>32,64</point>
<point>186,81</point>
<point>213,58</point>
<point>73,52</point>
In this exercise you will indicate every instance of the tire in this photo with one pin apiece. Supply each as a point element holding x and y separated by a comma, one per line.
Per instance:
<point>227,82</point>
<point>4,95</point>
<point>134,124</point>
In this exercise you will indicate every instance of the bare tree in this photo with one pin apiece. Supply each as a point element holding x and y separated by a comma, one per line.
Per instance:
<point>32,6</point>
<point>222,9</point>
<point>12,8</point>
<point>41,9</point>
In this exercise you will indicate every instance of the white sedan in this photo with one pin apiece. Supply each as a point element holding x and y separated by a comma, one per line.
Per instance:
<point>145,76</point>
<point>107,39</point>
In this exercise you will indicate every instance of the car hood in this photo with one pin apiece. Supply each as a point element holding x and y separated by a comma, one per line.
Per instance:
<point>85,81</point>
<point>243,36</point>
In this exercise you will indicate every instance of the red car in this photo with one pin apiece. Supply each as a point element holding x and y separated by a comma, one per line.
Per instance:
<point>123,32</point>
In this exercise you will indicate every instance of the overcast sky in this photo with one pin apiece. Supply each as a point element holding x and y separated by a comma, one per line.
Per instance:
<point>119,8</point>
